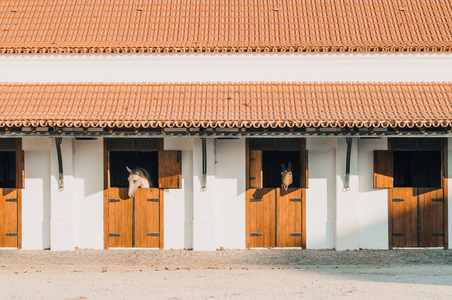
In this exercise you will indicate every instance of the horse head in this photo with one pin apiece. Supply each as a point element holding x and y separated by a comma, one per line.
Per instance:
<point>137,178</point>
<point>286,176</point>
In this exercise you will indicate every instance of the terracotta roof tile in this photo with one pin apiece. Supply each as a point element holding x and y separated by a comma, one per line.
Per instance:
<point>98,26</point>
<point>242,105</point>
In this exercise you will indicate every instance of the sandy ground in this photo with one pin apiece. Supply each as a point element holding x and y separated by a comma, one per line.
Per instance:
<point>232,274</point>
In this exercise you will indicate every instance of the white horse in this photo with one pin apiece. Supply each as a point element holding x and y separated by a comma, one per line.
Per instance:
<point>138,177</point>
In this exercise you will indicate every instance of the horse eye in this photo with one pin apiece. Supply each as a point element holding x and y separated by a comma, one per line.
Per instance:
<point>135,180</point>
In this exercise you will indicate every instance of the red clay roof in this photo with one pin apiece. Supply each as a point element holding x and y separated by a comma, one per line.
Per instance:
<point>242,105</point>
<point>99,26</point>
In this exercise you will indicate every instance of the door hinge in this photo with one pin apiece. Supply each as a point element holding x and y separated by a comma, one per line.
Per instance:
<point>252,178</point>
<point>11,200</point>
<point>295,234</point>
<point>398,234</point>
<point>398,199</point>
<point>153,234</point>
<point>255,234</point>
<point>113,234</point>
<point>255,200</point>
<point>252,158</point>
<point>295,199</point>
<point>437,234</point>
<point>114,200</point>
<point>11,234</point>
<point>153,199</point>
<point>437,200</point>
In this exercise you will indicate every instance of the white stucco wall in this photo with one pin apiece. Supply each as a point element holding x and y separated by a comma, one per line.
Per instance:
<point>225,67</point>
<point>230,189</point>
<point>320,196</point>
<point>88,193</point>
<point>178,203</point>
<point>36,195</point>
<point>373,203</point>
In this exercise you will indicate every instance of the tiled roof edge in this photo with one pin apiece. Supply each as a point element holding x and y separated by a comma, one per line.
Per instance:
<point>232,49</point>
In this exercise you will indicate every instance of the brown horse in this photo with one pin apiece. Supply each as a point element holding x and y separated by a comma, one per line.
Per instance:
<point>286,176</point>
<point>138,177</point>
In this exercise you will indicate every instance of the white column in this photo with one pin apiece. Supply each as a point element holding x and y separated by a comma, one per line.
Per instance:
<point>62,204</point>
<point>373,203</point>
<point>347,201</point>
<point>321,194</point>
<point>89,193</point>
<point>36,195</point>
<point>178,203</point>
<point>203,198</point>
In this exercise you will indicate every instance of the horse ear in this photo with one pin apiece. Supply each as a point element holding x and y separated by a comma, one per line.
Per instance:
<point>289,167</point>
<point>128,169</point>
<point>283,167</point>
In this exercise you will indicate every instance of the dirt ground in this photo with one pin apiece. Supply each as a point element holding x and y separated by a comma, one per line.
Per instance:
<point>230,274</point>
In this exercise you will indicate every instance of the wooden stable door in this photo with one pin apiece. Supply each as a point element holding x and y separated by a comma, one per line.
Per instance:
<point>9,198</point>
<point>275,217</point>
<point>134,222</point>
<point>417,217</point>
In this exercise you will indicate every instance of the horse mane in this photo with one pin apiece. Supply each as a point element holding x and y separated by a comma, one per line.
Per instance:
<point>145,174</point>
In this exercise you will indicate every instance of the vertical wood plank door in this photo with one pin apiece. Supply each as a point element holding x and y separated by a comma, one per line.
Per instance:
<point>262,218</point>
<point>431,214</point>
<point>288,220</point>
<point>134,222</point>
<point>9,217</point>
<point>120,218</point>
<point>147,218</point>
<point>404,220</point>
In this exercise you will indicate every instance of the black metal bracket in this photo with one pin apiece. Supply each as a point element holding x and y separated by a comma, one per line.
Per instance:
<point>295,234</point>
<point>255,200</point>
<point>11,200</point>
<point>397,200</point>
<point>295,199</point>
<point>113,234</point>
<point>153,234</point>
<point>114,200</point>
<point>153,200</point>
<point>11,234</point>
<point>255,234</point>
<point>349,142</point>
<point>58,141</point>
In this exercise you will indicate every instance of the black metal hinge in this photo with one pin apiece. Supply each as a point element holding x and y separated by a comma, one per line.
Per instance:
<point>398,199</point>
<point>153,234</point>
<point>255,200</point>
<point>11,234</point>
<point>295,199</point>
<point>398,234</point>
<point>295,234</point>
<point>113,234</point>
<point>252,178</point>
<point>11,200</point>
<point>437,200</point>
<point>252,158</point>
<point>114,200</point>
<point>438,234</point>
<point>153,199</point>
<point>255,234</point>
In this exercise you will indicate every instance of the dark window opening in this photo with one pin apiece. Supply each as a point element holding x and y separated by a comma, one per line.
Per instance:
<point>272,160</point>
<point>417,168</point>
<point>7,169</point>
<point>132,159</point>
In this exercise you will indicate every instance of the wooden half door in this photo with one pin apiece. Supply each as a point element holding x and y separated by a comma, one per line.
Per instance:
<point>134,222</point>
<point>275,217</point>
<point>120,218</point>
<point>147,218</point>
<point>9,199</point>
<point>261,218</point>
<point>403,203</point>
<point>431,217</point>
<point>417,217</point>
<point>289,216</point>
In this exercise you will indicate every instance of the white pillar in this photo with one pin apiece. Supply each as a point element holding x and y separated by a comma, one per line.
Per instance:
<point>62,206</point>
<point>36,195</point>
<point>347,201</point>
<point>203,198</point>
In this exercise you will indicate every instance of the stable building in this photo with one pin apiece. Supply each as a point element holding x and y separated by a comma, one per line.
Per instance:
<point>212,101</point>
